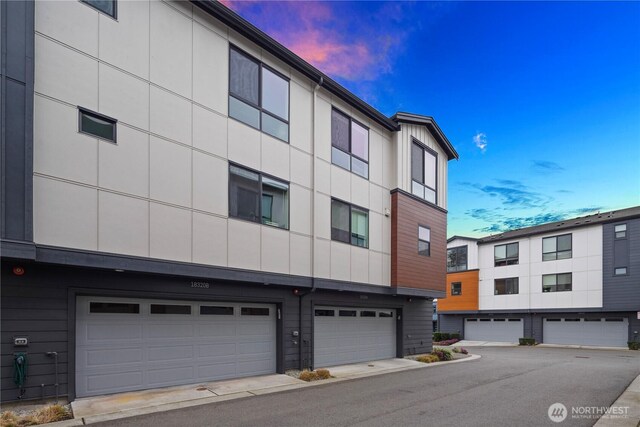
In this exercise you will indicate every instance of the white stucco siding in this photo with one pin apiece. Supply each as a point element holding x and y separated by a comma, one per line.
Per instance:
<point>162,190</point>
<point>585,265</point>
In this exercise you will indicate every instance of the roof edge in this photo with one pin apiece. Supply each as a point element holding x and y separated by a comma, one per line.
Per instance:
<point>430,123</point>
<point>266,42</point>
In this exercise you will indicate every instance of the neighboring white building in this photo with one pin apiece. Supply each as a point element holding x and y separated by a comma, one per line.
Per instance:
<point>568,282</point>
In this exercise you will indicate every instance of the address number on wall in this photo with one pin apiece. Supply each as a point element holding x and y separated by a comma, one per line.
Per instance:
<point>203,285</point>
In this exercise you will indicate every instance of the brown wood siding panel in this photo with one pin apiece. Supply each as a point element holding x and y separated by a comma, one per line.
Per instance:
<point>468,300</point>
<point>408,268</point>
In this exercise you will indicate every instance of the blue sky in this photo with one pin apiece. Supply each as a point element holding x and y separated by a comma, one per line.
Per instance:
<point>541,99</point>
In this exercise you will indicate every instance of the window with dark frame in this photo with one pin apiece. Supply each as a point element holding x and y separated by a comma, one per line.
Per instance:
<point>258,95</point>
<point>508,286</point>
<point>114,308</point>
<point>457,259</point>
<point>456,288</point>
<point>620,231</point>
<point>556,247</point>
<point>506,254</point>
<point>349,144</point>
<point>349,224</point>
<point>424,241</point>
<point>258,198</point>
<point>556,282</point>
<point>96,124</point>
<point>254,311</point>
<point>620,271</point>
<point>424,166</point>
<point>108,7</point>
<point>169,309</point>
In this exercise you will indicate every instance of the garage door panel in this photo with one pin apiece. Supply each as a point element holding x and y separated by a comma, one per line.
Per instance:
<point>170,375</point>
<point>108,357</point>
<point>351,339</point>
<point>498,330</point>
<point>218,370</point>
<point>589,332</point>
<point>169,330</point>
<point>126,380</point>
<point>105,331</point>
<point>153,350</point>
<point>220,330</point>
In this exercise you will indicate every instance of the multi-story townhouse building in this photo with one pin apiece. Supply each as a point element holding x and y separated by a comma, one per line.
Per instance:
<point>186,200</point>
<point>575,281</point>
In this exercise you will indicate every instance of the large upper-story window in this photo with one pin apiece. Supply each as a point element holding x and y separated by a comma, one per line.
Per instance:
<point>507,286</point>
<point>424,163</point>
<point>349,144</point>
<point>506,254</point>
<point>556,282</point>
<point>456,259</point>
<point>556,247</point>
<point>258,198</point>
<point>258,95</point>
<point>349,224</point>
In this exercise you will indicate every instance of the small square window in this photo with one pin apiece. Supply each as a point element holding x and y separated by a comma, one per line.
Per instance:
<point>97,125</point>
<point>349,224</point>
<point>621,271</point>
<point>456,288</point>
<point>621,231</point>
<point>109,7</point>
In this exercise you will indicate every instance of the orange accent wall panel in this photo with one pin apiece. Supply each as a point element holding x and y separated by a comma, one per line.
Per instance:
<point>408,268</point>
<point>468,299</point>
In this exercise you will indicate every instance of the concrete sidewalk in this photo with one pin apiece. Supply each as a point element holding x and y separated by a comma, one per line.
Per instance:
<point>123,405</point>
<point>629,402</point>
<point>468,343</point>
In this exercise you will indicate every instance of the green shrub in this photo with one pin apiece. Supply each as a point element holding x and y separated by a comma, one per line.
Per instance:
<point>634,345</point>
<point>442,353</point>
<point>454,336</point>
<point>427,358</point>
<point>441,336</point>
<point>527,341</point>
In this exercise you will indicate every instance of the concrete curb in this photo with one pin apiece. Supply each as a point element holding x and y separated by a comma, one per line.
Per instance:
<point>630,399</point>
<point>584,347</point>
<point>260,392</point>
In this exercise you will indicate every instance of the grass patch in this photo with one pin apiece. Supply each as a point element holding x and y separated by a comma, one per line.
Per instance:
<point>320,374</point>
<point>428,358</point>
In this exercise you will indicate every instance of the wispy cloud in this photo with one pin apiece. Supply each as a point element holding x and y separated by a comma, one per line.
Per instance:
<point>354,49</point>
<point>544,166</point>
<point>513,194</point>
<point>498,222</point>
<point>480,140</point>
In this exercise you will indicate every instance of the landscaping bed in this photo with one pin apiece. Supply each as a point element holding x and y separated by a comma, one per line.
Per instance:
<point>30,416</point>
<point>440,355</point>
<point>308,376</point>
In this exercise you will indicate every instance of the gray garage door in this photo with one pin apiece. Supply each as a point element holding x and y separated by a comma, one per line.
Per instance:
<point>612,332</point>
<point>499,330</point>
<point>350,335</point>
<point>134,344</point>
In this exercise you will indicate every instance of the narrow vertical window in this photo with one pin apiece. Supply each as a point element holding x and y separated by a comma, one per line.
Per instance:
<point>349,144</point>
<point>424,167</point>
<point>424,241</point>
<point>621,231</point>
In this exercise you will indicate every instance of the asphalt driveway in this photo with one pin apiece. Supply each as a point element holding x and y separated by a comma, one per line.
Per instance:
<point>509,386</point>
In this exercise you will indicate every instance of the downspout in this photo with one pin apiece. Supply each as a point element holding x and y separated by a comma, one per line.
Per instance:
<point>313,228</point>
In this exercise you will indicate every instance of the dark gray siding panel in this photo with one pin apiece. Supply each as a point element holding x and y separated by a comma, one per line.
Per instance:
<point>417,327</point>
<point>621,293</point>
<point>451,323</point>
<point>16,114</point>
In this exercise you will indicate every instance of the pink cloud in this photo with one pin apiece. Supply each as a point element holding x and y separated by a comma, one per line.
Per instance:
<point>343,48</point>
